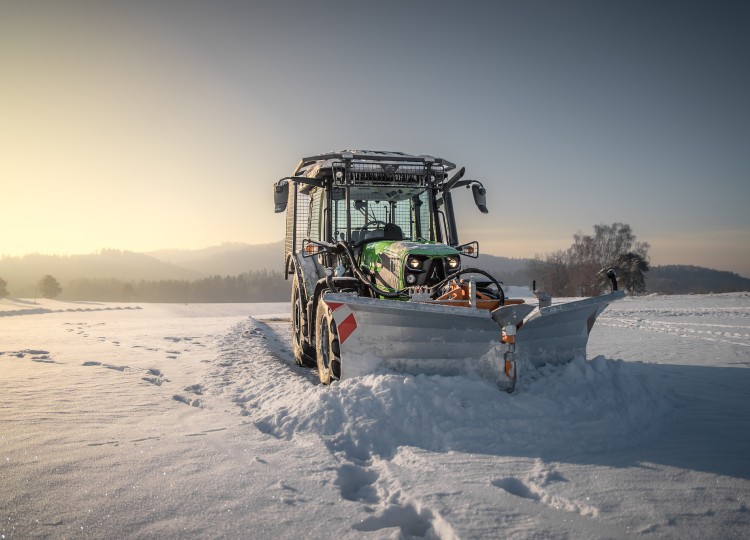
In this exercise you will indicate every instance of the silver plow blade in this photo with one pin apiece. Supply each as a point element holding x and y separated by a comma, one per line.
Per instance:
<point>557,334</point>
<point>436,339</point>
<point>410,337</point>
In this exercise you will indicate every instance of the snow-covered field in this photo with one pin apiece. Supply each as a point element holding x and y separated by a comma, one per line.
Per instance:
<point>123,420</point>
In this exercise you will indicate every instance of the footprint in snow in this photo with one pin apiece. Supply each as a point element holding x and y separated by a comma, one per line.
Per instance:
<point>44,358</point>
<point>356,483</point>
<point>290,495</point>
<point>533,491</point>
<point>412,521</point>
<point>175,339</point>
<point>24,352</point>
<point>153,349</point>
<point>35,351</point>
<point>155,376</point>
<point>116,368</point>
<point>187,401</point>
<point>108,366</point>
<point>195,389</point>
<point>37,355</point>
<point>516,487</point>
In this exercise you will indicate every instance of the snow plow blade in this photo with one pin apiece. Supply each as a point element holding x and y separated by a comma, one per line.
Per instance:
<point>438,339</point>
<point>559,333</point>
<point>409,337</point>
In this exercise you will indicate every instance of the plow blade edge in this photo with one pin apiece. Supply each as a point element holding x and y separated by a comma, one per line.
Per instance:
<point>559,333</point>
<point>434,339</point>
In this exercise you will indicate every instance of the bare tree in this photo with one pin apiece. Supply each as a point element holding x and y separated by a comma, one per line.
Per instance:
<point>551,273</point>
<point>583,264</point>
<point>591,254</point>
<point>577,271</point>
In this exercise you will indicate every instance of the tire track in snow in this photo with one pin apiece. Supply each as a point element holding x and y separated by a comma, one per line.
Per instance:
<point>730,334</point>
<point>701,322</point>
<point>256,370</point>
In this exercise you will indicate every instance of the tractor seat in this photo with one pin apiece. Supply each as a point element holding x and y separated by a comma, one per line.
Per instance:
<point>390,232</point>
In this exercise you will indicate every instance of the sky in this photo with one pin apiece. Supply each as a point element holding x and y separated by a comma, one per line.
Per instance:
<point>144,125</point>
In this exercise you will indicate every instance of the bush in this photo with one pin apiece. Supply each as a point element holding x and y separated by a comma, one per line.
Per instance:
<point>49,287</point>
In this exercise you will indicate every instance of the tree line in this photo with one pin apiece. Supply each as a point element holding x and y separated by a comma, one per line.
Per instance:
<point>254,286</point>
<point>687,279</point>
<point>580,270</point>
<point>47,287</point>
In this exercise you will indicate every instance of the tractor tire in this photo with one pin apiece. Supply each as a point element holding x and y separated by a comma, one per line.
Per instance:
<point>327,345</point>
<point>303,354</point>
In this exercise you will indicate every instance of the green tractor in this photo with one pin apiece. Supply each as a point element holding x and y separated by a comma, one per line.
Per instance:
<point>379,279</point>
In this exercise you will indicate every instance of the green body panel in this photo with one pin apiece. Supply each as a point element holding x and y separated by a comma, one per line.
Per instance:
<point>371,252</point>
<point>388,257</point>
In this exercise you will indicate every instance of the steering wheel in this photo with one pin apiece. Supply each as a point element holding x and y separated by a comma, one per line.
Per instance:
<point>374,222</point>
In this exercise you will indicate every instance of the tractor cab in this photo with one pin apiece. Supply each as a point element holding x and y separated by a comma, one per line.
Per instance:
<point>392,210</point>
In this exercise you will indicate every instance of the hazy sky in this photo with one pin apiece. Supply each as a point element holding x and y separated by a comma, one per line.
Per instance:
<point>151,124</point>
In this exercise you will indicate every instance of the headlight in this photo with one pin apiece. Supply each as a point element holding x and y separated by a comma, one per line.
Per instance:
<point>411,279</point>
<point>453,263</point>
<point>414,263</point>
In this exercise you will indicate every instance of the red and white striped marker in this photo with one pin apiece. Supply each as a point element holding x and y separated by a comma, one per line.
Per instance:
<point>343,313</point>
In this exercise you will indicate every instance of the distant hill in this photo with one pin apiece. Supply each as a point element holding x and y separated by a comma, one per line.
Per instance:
<point>683,279</point>
<point>235,258</point>
<point>232,259</point>
<point>226,259</point>
<point>506,269</point>
<point>23,273</point>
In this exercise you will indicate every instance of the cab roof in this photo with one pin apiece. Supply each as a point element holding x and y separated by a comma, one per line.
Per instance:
<point>325,161</point>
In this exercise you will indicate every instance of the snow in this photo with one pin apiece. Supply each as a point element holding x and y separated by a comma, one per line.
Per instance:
<point>171,420</point>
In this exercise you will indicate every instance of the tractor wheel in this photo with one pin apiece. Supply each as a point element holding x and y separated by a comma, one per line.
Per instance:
<point>327,345</point>
<point>301,350</point>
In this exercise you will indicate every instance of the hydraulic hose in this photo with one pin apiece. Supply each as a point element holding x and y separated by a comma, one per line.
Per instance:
<point>474,271</point>
<point>363,278</point>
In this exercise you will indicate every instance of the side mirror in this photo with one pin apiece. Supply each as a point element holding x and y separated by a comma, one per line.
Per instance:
<point>280,196</point>
<point>480,197</point>
<point>469,250</point>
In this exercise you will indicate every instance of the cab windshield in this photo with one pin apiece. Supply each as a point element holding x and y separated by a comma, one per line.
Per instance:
<point>402,212</point>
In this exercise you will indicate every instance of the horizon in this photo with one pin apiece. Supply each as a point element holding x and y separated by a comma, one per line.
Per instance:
<point>144,125</point>
<point>151,253</point>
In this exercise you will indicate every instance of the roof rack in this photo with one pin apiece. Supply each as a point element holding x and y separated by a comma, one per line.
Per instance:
<point>375,155</point>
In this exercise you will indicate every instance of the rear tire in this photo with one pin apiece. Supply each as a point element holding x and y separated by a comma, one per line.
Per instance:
<point>303,353</point>
<point>327,345</point>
